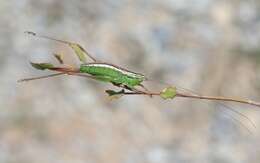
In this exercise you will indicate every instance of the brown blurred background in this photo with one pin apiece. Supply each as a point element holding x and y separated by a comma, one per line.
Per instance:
<point>208,46</point>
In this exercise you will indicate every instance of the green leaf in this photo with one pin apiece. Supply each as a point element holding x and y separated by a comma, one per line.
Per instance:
<point>115,94</point>
<point>81,53</point>
<point>41,66</point>
<point>168,93</point>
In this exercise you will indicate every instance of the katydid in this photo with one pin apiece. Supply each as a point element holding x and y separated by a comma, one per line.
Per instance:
<point>120,77</point>
<point>113,74</point>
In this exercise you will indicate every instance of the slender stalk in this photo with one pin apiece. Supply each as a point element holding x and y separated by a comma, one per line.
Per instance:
<point>62,71</point>
<point>41,77</point>
<point>213,98</point>
<point>218,98</point>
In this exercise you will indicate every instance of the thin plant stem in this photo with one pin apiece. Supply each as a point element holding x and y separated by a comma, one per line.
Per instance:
<point>40,77</point>
<point>218,98</point>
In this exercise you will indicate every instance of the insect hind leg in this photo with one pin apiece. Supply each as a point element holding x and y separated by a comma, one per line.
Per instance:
<point>75,46</point>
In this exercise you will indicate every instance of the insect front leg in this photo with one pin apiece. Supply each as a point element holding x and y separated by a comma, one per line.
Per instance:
<point>121,85</point>
<point>146,91</point>
<point>136,90</point>
<point>141,85</point>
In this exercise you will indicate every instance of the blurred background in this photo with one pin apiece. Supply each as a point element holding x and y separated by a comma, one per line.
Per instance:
<point>209,46</point>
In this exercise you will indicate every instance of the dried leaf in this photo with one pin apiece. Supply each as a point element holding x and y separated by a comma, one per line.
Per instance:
<point>41,66</point>
<point>59,57</point>
<point>168,93</point>
<point>81,53</point>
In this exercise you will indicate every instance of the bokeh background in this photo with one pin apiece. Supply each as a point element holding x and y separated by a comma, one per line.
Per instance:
<point>208,46</point>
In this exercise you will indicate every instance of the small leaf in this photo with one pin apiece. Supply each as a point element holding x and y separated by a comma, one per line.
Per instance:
<point>59,58</point>
<point>168,93</point>
<point>81,53</point>
<point>41,66</point>
<point>114,94</point>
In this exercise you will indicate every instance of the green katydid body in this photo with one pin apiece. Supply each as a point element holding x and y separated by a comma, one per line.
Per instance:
<point>100,71</point>
<point>111,73</point>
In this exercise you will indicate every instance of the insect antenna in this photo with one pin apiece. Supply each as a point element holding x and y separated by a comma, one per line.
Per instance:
<point>237,120</point>
<point>226,107</point>
<point>238,113</point>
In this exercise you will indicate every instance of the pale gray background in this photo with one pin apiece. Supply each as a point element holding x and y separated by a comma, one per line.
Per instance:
<point>209,46</point>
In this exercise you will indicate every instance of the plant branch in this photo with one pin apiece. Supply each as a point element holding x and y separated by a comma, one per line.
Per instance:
<point>217,98</point>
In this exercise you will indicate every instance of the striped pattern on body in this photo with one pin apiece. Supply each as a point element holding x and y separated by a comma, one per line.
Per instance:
<point>111,73</point>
